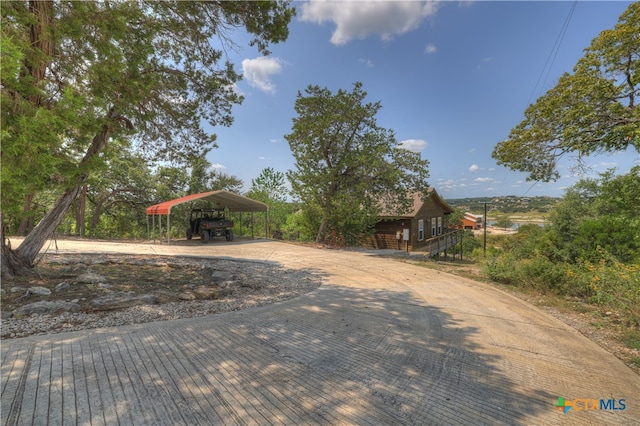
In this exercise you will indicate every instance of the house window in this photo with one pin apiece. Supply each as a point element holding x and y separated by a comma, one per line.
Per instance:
<point>420,229</point>
<point>433,226</point>
<point>440,225</point>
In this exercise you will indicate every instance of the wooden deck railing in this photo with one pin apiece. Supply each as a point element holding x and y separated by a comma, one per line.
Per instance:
<point>442,242</point>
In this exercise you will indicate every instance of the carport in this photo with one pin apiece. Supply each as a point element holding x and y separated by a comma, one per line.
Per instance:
<point>218,199</point>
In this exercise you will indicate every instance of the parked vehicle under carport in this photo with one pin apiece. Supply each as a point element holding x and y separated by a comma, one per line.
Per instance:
<point>208,223</point>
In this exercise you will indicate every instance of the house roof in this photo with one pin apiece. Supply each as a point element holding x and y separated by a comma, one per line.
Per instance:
<point>220,199</point>
<point>418,203</point>
<point>472,216</point>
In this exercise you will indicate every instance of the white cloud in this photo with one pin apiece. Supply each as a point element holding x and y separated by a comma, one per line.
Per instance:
<point>259,71</point>
<point>483,179</point>
<point>367,62</point>
<point>264,158</point>
<point>413,145</point>
<point>217,166</point>
<point>430,48</point>
<point>474,168</point>
<point>358,20</point>
<point>608,164</point>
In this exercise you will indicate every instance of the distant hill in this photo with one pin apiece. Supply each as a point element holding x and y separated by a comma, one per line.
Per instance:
<point>505,204</point>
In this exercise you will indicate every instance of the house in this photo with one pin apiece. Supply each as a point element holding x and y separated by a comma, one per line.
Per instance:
<point>472,221</point>
<point>423,228</point>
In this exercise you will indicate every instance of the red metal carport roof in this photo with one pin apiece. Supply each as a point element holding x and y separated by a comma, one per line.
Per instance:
<point>221,199</point>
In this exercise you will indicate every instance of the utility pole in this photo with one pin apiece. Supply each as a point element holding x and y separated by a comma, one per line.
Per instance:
<point>485,229</point>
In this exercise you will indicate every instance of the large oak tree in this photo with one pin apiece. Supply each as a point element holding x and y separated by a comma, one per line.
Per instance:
<point>348,169</point>
<point>77,74</point>
<point>593,110</point>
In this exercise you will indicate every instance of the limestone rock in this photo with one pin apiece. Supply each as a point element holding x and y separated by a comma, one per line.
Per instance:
<point>187,295</point>
<point>122,300</point>
<point>166,296</point>
<point>45,307</point>
<point>63,286</point>
<point>209,293</point>
<point>91,278</point>
<point>41,291</point>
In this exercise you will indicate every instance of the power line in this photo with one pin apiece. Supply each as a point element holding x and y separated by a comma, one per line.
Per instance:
<point>548,65</point>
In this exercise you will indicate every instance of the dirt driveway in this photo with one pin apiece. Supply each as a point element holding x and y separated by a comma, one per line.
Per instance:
<point>380,342</point>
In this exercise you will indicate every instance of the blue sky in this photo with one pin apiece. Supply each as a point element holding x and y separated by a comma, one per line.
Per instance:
<point>453,79</point>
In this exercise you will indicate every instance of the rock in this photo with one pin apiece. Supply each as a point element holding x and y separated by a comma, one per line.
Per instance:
<point>45,307</point>
<point>209,293</point>
<point>187,295</point>
<point>91,278</point>
<point>78,267</point>
<point>63,286</point>
<point>17,289</point>
<point>221,276</point>
<point>166,296</point>
<point>122,300</point>
<point>104,285</point>
<point>41,291</point>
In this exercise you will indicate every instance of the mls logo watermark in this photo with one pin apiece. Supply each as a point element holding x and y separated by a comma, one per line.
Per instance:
<point>588,404</point>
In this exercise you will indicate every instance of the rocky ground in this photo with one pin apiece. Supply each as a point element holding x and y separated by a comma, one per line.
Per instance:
<point>74,292</point>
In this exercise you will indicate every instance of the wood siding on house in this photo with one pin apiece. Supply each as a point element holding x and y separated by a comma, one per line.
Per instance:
<point>386,231</point>
<point>386,235</point>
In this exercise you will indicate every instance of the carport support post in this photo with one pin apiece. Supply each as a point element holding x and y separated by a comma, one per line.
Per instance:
<point>148,227</point>
<point>253,227</point>
<point>168,228</point>
<point>153,220</point>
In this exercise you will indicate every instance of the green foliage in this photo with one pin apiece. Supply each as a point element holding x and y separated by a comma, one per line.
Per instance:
<point>504,222</point>
<point>536,272</point>
<point>270,188</point>
<point>592,110</point>
<point>591,251</point>
<point>600,213</point>
<point>150,72</point>
<point>302,225</point>
<point>347,167</point>
<point>469,242</point>
<point>607,282</point>
<point>632,340</point>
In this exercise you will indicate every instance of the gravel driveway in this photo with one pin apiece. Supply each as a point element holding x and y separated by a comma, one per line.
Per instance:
<point>380,342</point>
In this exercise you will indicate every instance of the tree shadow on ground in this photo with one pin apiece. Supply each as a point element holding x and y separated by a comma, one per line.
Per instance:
<point>338,355</point>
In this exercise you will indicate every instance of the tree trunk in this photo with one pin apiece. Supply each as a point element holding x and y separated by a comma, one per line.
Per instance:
<point>26,219</point>
<point>40,32</point>
<point>10,264</point>
<point>33,243</point>
<point>97,211</point>
<point>81,207</point>
<point>322,231</point>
